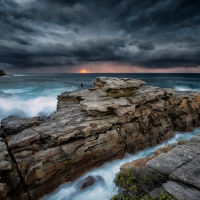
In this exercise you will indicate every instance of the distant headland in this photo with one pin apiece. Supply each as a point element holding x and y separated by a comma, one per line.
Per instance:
<point>2,73</point>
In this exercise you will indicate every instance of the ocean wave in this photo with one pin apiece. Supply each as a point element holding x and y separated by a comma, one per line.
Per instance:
<point>27,108</point>
<point>108,172</point>
<point>20,75</point>
<point>186,88</point>
<point>17,91</point>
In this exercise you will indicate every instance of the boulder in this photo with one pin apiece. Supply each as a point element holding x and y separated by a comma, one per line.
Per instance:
<point>88,181</point>
<point>118,86</point>
<point>13,125</point>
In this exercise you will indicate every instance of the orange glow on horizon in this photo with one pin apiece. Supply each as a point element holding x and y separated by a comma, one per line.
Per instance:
<point>107,67</point>
<point>122,68</point>
<point>83,71</point>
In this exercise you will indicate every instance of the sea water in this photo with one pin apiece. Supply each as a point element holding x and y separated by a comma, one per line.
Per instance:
<point>69,191</point>
<point>29,95</point>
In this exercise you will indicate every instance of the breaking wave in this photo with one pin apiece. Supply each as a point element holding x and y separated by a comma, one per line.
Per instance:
<point>186,88</point>
<point>27,108</point>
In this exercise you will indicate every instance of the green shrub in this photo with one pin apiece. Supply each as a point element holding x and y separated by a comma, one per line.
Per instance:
<point>134,184</point>
<point>121,197</point>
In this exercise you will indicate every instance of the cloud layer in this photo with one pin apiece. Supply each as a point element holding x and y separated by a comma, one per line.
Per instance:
<point>50,33</point>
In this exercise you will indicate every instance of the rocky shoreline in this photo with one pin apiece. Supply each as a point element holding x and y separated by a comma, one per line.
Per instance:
<point>179,164</point>
<point>89,128</point>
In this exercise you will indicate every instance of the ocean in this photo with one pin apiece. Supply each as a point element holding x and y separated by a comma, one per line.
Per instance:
<point>29,95</point>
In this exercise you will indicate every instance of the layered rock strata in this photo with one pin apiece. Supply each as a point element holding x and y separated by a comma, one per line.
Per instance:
<point>89,128</point>
<point>180,166</point>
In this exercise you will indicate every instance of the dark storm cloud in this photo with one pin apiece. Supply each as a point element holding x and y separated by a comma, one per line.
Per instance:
<point>146,46</point>
<point>152,34</point>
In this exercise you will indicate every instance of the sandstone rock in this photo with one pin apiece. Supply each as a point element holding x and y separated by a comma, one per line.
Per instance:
<point>89,128</point>
<point>117,86</point>
<point>181,166</point>
<point>188,173</point>
<point>5,162</point>
<point>164,149</point>
<point>163,164</point>
<point>3,190</point>
<point>181,191</point>
<point>13,125</point>
<point>166,163</point>
<point>9,177</point>
<point>23,139</point>
<point>156,193</point>
<point>136,164</point>
<point>141,162</point>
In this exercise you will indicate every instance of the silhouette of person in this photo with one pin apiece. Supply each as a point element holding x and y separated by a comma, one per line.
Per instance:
<point>81,85</point>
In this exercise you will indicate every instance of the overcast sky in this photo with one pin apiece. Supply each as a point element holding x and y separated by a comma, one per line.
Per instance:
<point>100,36</point>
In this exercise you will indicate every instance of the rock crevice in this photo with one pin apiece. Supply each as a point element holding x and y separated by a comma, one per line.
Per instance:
<point>89,128</point>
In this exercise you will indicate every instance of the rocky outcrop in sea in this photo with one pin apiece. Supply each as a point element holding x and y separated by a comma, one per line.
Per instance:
<point>89,128</point>
<point>2,73</point>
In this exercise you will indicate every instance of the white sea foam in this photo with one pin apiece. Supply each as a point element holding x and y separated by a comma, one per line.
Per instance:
<point>17,91</point>
<point>21,75</point>
<point>186,88</point>
<point>27,108</point>
<point>68,190</point>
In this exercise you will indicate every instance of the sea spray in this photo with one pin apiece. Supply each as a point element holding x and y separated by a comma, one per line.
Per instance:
<point>68,191</point>
<point>186,88</point>
<point>27,108</point>
<point>30,101</point>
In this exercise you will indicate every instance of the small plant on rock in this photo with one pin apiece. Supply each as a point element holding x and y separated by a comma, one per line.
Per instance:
<point>134,184</point>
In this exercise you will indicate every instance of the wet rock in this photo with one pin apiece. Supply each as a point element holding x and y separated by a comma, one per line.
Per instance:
<point>165,163</point>
<point>136,164</point>
<point>141,162</point>
<point>181,166</point>
<point>9,177</point>
<point>188,173</point>
<point>13,125</point>
<point>88,181</point>
<point>181,191</point>
<point>156,193</point>
<point>23,139</point>
<point>90,128</point>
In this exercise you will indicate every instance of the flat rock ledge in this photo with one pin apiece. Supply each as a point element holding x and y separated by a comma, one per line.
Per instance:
<point>180,164</point>
<point>89,128</point>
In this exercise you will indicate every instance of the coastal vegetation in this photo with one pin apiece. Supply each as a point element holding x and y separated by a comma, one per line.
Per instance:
<point>136,184</point>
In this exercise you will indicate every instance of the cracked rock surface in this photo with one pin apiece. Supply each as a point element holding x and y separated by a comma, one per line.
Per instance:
<point>181,166</point>
<point>89,128</point>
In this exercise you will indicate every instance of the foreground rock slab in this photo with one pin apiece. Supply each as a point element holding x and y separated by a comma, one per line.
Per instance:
<point>181,167</point>
<point>89,128</point>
